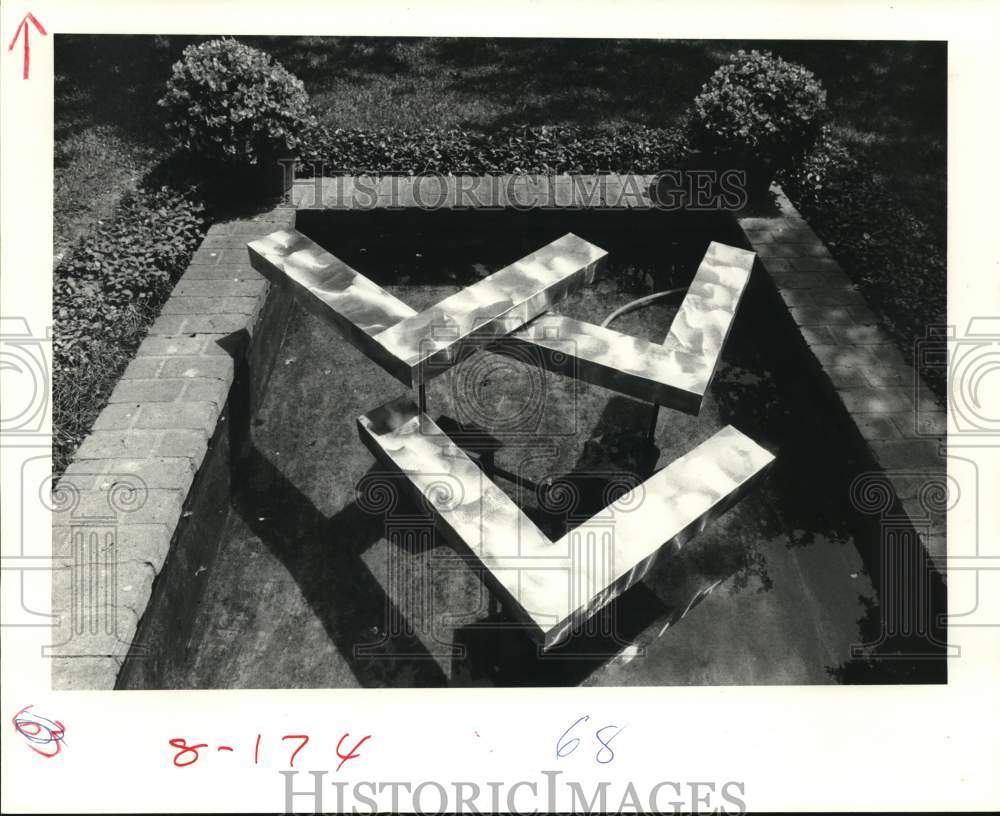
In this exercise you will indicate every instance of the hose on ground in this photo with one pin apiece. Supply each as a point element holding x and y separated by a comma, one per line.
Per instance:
<point>635,304</point>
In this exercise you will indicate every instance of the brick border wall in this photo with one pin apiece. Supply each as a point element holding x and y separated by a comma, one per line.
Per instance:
<point>165,411</point>
<point>155,432</point>
<point>903,425</point>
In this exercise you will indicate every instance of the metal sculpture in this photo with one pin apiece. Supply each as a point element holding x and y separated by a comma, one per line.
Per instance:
<point>551,586</point>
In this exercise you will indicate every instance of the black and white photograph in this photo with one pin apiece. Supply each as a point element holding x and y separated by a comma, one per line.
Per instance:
<point>453,364</point>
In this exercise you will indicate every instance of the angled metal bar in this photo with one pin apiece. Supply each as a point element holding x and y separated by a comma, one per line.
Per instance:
<point>415,347</point>
<point>677,373</point>
<point>328,288</point>
<point>702,323</point>
<point>652,521</point>
<point>473,514</point>
<point>601,356</point>
<point>554,586</point>
<point>706,314</point>
<point>429,343</point>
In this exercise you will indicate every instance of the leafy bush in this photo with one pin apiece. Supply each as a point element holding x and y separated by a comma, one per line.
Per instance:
<point>890,253</point>
<point>759,107</point>
<point>634,149</point>
<point>229,102</point>
<point>133,259</point>
<point>105,294</point>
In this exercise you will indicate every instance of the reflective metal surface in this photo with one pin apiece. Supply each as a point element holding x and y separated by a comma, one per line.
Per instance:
<point>601,356</point>
<point>415,347</point>
<point>557,585</point>
<point>431,342</point>
<point>676,374</point>
<point>616,548</point>
<point>475,515</point>
<point>707,311</point>
<point>551,586</point>
<point>358,308</point>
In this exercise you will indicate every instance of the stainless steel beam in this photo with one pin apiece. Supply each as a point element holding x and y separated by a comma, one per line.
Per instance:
<point>415,347</point>
<point>616,549</point>
<point>677,373</point>
<point>554,586</point>
<point>706,314</point>
<point>601,356</point>
<point>355,306</point>
<point>551,586</point>
<point>429,343</point>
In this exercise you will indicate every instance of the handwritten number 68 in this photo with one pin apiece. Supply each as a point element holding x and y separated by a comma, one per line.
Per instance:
<point>604,755</point>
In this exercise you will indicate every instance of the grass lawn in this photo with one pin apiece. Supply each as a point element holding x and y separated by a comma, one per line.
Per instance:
<point>888,99</point>
<point>107,133</point>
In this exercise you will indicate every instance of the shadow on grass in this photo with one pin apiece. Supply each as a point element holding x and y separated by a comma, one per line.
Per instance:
<point>573,81</point>
<point>113,79</point>
<point>316,60</point>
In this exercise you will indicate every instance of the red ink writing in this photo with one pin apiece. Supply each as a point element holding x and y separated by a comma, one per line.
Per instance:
<point>183,748</point>
<point>352,754</point>
<point>44,736</point>
<point>29,17</point>
<point>188,753</point>
<point>304,738</point>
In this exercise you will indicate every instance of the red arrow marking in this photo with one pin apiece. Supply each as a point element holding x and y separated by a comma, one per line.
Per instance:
<point>29,17</point>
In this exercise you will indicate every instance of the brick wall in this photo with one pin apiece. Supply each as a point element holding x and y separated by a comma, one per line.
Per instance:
<point>902,424</point>
<point>121,500</point>
<point>160,421</point>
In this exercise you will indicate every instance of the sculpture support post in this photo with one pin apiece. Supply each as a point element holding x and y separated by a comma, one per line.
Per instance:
<point>653,417</point>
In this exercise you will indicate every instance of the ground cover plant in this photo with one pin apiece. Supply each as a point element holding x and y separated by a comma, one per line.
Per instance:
<point>407,106</point>
<point>105,293</point>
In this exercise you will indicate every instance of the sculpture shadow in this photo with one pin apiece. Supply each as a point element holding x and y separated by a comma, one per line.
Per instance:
<point>324,556</point>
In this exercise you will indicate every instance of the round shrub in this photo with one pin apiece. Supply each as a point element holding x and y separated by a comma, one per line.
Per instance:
<point>226,101</point>
<point>760,108</point>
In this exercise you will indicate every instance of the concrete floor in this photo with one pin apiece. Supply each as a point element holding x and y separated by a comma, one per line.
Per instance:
<point>308,590</point>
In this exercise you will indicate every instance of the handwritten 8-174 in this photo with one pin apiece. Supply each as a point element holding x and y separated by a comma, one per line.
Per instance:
<point>287,746</point>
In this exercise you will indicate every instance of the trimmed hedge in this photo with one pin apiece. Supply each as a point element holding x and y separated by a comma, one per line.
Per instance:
<point>112,284</point>
<point>888,251</point>
<point>106,291</point>
<point>228,102</point>
<point>452,151</point>
<point>760,108</point>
